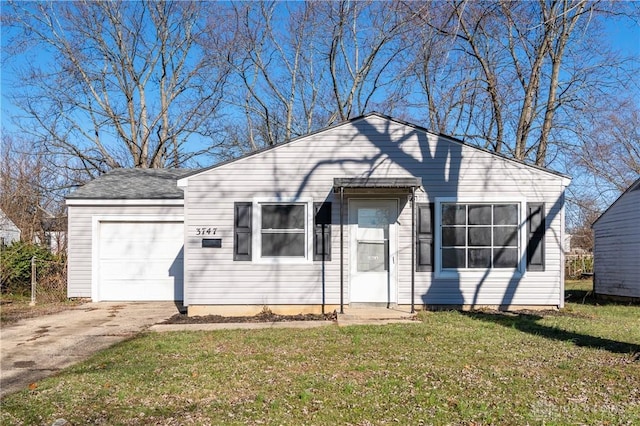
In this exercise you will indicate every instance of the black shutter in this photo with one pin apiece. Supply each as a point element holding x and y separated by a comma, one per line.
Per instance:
<point>424,237</point>
<point>242,231</point>
<point>322,231</point>
<point>535,239</point>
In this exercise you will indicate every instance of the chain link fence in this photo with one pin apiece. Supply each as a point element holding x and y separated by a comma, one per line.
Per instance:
<point>48,280</point>
<point>31,271</point>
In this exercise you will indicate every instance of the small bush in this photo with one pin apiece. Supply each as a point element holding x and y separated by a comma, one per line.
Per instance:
<point>15,271</point>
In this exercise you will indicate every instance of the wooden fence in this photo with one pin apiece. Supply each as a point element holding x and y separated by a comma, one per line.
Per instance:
<point>578,265</point>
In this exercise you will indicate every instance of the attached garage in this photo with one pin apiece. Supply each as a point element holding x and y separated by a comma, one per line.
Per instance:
<point>140,261</point>
<point>126,237</point>
<point>373,210</point>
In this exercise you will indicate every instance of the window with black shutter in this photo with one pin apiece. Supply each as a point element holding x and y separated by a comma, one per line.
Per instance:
<point>283,230</point>
<point>242,231</point>
<point>535,241</point>
<point>424,237</point>
<point>322,231</point>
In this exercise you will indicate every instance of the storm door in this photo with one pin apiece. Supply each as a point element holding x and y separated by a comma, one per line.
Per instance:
<point>372,248</point>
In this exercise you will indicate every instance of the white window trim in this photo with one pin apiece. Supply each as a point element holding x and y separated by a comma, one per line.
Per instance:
<point>501,273</point>
<point>256,225</point>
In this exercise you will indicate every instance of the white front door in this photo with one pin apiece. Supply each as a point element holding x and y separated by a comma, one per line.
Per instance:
<point>372,248</point>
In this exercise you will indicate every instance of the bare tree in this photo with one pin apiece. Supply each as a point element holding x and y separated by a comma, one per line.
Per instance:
<point>126,83</point>
<point>144,84</point>
<point>610,147</point>
<point>518,69</point>
<point>451,93</point>
<point>584,208</point>
<point>275,84</point>
<point>25,196</point>
<point>365,42</point>
<point>302,66</point>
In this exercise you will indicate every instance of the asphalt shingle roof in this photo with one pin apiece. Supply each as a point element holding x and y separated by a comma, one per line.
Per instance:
<point>133,184</point>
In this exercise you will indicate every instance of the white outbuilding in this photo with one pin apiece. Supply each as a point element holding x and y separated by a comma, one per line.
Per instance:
<point>9,232</point>
<point>617,247</point>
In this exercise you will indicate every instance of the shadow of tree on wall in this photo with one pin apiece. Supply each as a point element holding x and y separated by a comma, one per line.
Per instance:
<point>530,323</point>
<point>388,149</point>
<point>437,163</point>
<point>176,271</point>
<point>440,170</point>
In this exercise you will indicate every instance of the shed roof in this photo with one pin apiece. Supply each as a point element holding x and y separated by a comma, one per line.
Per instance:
<point>133,184</point>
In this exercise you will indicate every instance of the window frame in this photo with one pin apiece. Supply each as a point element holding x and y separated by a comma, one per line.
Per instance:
<point>452,273</point>
<point>256,239</point>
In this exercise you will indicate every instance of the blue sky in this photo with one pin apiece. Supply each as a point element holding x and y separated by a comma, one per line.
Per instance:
<point>624,37</point>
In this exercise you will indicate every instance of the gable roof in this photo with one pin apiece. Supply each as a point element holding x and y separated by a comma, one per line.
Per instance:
<point>7,224</point>
<point>133,184</point>
<point>635,186</point>
<point>362,117</point>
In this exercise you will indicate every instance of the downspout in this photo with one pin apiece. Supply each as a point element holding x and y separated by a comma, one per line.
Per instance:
<point>341,250</point>
<point>413,248</point>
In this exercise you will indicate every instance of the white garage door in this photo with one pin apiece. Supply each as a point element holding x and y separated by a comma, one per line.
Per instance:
<point>140,261</point>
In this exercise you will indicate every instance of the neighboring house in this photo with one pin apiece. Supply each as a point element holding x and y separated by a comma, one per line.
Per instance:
<point>567,243</point>
<point>55,232</point>
<point>617,247</point>
<point>9,232</point>
<point>371,211</point>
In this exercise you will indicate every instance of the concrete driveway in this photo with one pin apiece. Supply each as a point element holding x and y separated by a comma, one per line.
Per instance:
<point>35,348</point>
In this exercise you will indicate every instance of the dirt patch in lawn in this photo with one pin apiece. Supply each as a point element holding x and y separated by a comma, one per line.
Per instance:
<point>261,317</point>
<point>12,311</point>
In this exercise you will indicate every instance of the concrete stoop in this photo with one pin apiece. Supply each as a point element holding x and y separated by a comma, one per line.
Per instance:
<point>374,316</point>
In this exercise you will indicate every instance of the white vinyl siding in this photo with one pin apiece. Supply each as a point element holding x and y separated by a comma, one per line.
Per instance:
<point>617,247</point>
<point>373,147</point>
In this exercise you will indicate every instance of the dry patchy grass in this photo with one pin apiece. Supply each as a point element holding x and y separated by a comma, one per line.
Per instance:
<point>578,366</point>
<point>450,368</point>
<point>15,309</point>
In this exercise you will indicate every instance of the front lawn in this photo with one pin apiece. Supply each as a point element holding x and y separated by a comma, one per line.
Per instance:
<point>580,366</point>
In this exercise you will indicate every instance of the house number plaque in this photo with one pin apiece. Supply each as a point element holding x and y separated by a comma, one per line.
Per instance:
<point>206,230</point>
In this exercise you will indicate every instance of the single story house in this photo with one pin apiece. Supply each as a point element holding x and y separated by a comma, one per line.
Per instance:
<point>9,232</point>
<point>617,248</point>
<point>371,211</point>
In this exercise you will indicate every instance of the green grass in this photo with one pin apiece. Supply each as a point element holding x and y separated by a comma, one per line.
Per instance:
<point>579,367</point>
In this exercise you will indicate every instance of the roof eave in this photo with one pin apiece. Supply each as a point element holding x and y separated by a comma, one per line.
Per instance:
<point>124,201</point>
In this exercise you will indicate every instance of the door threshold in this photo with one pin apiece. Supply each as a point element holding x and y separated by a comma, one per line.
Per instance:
<point>387,305</point>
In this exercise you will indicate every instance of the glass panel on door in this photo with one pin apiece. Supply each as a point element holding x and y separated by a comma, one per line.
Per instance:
<point>373,239</point>
<point>373,256</point>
